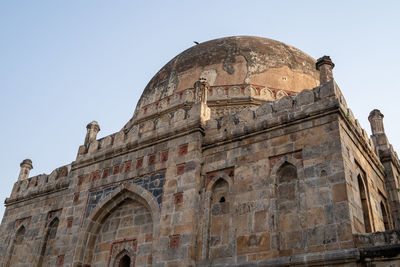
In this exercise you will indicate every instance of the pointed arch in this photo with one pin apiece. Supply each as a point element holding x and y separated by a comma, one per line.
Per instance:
<point>220,176</point>
<point>50,234</point>
<point>219,233</point>
<point>363,194</point>
<point>287,159</point>
<point>220,191</point>
<point>93,223</point>
<point>286,175</point>
<point>123,259</point>
<point>17,240</point>
<point>19,235</point>
<point>385,217</point>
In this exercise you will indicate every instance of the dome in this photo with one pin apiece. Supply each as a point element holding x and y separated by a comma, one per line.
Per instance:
<point>239,61</point>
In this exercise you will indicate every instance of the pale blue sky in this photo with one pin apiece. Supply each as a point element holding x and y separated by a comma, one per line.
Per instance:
<point>66,63</point>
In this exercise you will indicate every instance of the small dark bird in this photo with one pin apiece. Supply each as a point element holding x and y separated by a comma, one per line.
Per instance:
<point>196,42</point>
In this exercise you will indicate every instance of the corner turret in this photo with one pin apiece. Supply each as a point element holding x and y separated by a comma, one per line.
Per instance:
<point>378,131</point>
<point>325,66</point>
<point>26,167</point>
<point>92,129</point>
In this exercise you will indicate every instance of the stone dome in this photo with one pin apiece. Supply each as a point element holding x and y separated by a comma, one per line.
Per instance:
<point>239,60</point>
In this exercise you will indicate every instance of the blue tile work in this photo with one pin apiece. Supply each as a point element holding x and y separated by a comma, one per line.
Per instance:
<point>154,184</point>
<point>96,197</point>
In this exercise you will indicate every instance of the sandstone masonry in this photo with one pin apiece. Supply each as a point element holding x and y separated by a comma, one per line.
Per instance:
<point>219,174</point>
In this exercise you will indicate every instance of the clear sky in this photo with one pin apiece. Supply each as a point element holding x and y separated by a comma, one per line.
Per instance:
<point>66,63</point>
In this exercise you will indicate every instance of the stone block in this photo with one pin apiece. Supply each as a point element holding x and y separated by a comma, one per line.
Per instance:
<point>312,218</point>
<point>286,192</point>
<point>328,89</point>
<point>246,115</point>
<point>260,221</point>
<point>220,208</point>
<point>341,212</point>
<point>305,97</point>
<point>221,252</point>
<point>264,109</point>
<point>289,222</point>
<point>253,243</point>
<point>339,192</point>
<point>293,240</point>
<point>285,103</point>
<point>216,225</point>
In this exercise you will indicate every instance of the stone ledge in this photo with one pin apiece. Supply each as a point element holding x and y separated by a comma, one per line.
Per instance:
<point>309,259</point>
<point>128,147</point>
<point>391,237</point>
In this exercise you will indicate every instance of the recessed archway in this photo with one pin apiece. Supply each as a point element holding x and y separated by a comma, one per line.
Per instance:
<point>123,197</point>
<point>364,204</point>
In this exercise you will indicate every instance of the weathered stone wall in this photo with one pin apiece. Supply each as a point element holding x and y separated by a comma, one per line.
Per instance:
<point>365,173</point>
<point>366,179</point>
<point>285,173</point>
<point>381,249</point>
<point>35,214</point>
<point>127,221</point>
<point>267,186</point>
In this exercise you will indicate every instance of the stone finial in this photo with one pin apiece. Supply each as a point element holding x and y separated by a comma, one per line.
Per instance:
<point>201,90</point>
<point>92,129</point>
<point>26,167</point>
<point>376,120</point>
<point>325,66</point>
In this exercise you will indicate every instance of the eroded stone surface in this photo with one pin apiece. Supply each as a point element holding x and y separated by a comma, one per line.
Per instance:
<point>253,175</point>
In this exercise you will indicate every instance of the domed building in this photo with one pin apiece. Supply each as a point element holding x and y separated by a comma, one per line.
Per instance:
<point>241,151</point>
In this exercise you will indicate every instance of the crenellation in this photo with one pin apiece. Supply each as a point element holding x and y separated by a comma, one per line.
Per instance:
<point>40,184</point>
<point>275,113</point>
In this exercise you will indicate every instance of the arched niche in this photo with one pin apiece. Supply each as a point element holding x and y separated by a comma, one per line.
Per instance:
<point>286,174</point>
<point>220,218</point>
<point>19,236</point>
<point>14,256</point>
<point>219,237</point>
<point>385,217</point>
<point>363,194</point>
<point>126,197</point>
<point>125,258</point>
<point>47,243</point>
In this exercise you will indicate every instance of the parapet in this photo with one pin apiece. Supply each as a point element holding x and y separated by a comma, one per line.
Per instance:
<point>40,185</point>
<point>323,98</point>
<point>165,119</point>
